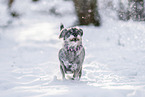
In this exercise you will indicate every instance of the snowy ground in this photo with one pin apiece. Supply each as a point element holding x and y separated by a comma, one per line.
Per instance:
<point>115,54</point>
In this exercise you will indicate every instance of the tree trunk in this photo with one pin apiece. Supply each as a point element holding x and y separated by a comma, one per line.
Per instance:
<point>11,12</point>
<point>123,12</point>
<point>35,0</point>
<point>86,12</point>
<point>10,3</point>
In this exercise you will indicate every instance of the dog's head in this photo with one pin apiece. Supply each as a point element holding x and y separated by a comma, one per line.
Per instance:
<point>71,36</point>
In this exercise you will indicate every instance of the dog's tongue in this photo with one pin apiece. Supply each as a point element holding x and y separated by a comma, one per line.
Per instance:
<point>75,39</point>
<point>74,44</point>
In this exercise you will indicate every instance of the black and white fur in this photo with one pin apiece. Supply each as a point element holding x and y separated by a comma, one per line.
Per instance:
<point>72,54</point>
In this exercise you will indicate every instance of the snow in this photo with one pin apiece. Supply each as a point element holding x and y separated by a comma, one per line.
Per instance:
<point>29,67</point>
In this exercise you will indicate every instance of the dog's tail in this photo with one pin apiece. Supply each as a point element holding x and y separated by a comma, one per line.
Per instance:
<point>61,26</point>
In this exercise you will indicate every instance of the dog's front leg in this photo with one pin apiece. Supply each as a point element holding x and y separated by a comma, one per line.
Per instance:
<point>63,62</point>
<point>62,71</point>
<point>77,73</point>
<point>79,61</point>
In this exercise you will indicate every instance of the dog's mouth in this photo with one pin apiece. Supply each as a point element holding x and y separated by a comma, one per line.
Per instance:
<point>74,39</point>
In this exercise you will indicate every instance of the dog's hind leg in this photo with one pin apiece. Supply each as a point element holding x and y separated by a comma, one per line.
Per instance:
<point>80,73</point>
<point>76,75</point>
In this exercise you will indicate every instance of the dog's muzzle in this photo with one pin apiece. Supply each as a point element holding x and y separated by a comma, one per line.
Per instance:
<point>74,39</point>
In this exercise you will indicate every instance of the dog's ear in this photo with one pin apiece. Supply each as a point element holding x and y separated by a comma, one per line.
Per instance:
<point>61,27</point>
<point>62,33</point>
<point>81,32</point>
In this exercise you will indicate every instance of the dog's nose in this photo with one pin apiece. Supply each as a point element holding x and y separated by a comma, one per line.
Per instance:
<point>75,39</point>
<point>75,34</point>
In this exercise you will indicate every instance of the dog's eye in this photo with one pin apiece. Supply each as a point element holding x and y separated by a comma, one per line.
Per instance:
<point>71,39</point>
<point>81,32</point>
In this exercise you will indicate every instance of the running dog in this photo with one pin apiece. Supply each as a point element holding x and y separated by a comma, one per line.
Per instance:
<point>72,54</point>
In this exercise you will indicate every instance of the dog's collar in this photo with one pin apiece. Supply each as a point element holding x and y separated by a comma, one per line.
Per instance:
<point>73,49</point>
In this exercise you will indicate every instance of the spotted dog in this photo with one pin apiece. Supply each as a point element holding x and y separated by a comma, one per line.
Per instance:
<point>72,54</point>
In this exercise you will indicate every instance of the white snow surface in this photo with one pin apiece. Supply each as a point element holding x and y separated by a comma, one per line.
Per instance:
<point>114,65</point>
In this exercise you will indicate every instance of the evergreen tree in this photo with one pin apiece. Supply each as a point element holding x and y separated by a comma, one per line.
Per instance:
<point>136,8</point>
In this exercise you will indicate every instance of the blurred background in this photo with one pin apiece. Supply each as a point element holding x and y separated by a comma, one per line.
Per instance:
<point>83,12</point>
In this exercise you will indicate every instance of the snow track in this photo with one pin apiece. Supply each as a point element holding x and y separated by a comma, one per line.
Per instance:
<point>99,75</point>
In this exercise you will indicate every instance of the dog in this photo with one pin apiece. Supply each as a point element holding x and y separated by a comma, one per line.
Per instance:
<point>72,54</point>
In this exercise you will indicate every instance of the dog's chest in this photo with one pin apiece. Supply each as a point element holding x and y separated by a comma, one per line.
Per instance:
<point>72,55</point>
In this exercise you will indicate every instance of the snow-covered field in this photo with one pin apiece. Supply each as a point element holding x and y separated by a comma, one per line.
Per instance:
<point>115,54</point>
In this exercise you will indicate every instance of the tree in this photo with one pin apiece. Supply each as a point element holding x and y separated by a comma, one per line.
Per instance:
<point>12,13</point>
<point>135,10</point>
<point>123,12</point>
<point>10,2</point>
<point>35,0</point>
<point>87,12</point>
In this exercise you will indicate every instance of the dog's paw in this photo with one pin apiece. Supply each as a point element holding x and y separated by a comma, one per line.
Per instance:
<point>74,67</point>
<point>76,78</point>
